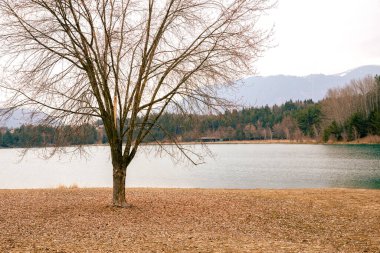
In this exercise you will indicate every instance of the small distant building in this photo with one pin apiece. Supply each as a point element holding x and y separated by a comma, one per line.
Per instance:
<point>210,139</point>
<point>100,127</point>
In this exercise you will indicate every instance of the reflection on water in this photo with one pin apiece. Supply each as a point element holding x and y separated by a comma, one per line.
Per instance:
<point>241,166</point>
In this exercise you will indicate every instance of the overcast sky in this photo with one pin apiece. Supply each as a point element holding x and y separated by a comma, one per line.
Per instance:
<point>322,36</point>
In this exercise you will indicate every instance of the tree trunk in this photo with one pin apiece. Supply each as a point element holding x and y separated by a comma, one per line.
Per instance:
<point>118,196</point>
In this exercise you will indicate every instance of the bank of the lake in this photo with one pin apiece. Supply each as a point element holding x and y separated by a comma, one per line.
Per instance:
<point>371,139</point>
<point>190,220</point>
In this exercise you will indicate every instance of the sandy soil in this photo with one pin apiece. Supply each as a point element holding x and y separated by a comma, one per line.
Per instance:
<point>183,220</point>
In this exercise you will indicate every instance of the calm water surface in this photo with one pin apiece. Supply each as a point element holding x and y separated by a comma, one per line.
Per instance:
<point>242,166</point>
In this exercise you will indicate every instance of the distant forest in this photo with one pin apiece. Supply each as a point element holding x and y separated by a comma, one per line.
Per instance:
<point>345,114</point>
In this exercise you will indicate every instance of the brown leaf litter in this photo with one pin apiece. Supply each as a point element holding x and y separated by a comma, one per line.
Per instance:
<point>190,220</point>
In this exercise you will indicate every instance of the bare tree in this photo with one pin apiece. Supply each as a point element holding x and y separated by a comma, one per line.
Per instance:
<point>125,62</point>
<point>358,96</point>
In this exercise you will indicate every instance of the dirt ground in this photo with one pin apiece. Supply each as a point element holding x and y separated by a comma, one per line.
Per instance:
<point>190,220</point>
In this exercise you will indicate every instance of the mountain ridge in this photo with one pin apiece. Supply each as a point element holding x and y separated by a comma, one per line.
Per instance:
<point>277,89</point>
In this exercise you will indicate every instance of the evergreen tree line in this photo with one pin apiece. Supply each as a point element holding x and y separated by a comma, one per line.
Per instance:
<point>345,114</point>
<point>293,120</point>
<point>42,136</point>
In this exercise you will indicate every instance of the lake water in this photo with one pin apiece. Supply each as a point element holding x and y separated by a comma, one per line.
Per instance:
<point>242,166</point>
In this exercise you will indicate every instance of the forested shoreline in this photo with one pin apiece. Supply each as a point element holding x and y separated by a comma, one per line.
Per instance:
<point>345,114</point>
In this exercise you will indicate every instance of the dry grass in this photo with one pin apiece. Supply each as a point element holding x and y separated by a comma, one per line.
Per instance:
<point>72,186</point>
<point>176,220</point>
<point>370,139</point>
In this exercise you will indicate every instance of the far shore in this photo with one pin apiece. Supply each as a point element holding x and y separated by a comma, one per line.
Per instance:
<point>365,140</point>
<point>190,220</point>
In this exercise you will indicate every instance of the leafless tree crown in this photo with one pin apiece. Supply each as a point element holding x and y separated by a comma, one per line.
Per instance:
<point>125,61</point>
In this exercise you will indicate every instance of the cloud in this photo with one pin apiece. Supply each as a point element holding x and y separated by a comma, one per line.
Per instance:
<point>322,36</point>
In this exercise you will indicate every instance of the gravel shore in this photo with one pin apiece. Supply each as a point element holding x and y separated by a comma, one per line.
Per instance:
<point>190,220</point>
